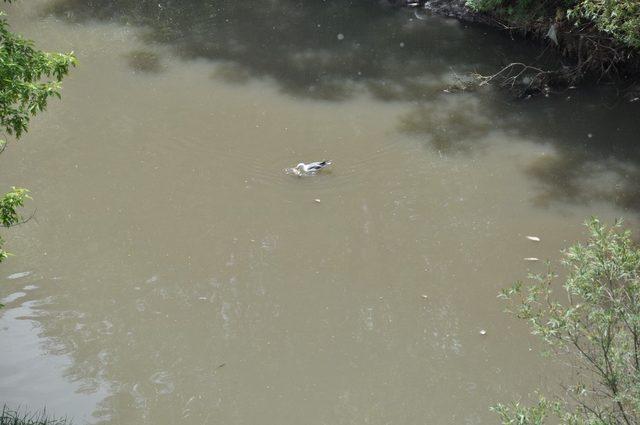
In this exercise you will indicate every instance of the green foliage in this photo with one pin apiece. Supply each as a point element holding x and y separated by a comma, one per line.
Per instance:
<point>517,414</point>
<point>10,203</point>
<point>28,78</point>
<point>596,323</point>
<point>14,417</point>
<point>618,18</point>
<point>519,10</point>
<point>9,215</point>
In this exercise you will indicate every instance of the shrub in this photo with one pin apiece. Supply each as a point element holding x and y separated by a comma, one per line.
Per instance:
<point>595,324</point>
<point>618,18</point>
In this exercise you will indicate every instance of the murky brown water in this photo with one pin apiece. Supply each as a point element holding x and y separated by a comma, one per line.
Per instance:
<point>177,276</point>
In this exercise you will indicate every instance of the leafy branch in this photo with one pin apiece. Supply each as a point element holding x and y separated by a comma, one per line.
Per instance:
<point>28,78</point>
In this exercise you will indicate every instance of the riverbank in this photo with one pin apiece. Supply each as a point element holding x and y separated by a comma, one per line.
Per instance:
<point>597,43</point>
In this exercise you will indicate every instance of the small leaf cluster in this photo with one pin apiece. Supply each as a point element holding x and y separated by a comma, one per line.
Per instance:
<point>593,319</point>
<point>9,215</point>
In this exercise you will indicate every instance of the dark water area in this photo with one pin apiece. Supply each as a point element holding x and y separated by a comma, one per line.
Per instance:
<point>318,50</point>
<point>175,274</point>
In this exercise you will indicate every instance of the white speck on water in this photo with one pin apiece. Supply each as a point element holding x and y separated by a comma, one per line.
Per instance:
<point>340,36</point>
<point>140,306</point>
<point>30,287</point>
<point>590,135</point>
<point>402,44</point>
<point>367,318</point>
<point>533,238</point>
<point>18,275</point>
<point>424,296</point>
<point>317,200</point>
<point>483,332</point>
<point>531,259</point>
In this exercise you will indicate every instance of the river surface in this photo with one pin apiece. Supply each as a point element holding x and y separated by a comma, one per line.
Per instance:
<point>173,274</point>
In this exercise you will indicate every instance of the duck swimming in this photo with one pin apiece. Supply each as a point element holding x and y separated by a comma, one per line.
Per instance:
<point>311,168</point>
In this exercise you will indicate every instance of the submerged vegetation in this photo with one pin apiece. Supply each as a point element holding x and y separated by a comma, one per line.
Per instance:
<point>594,326</point>
<point>29,78</point>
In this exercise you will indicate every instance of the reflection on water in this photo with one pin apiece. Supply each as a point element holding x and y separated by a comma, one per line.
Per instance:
<point>321,50</point>
<point>144,61</point>
<point>177,275</point>
<point>452,125</point>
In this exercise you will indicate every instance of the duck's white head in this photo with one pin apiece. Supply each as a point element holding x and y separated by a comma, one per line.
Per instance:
<point>301,165</point>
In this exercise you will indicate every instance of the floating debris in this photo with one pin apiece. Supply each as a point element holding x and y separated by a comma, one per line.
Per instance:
<point>424,296</point>
<point>533,238</point>
<point>317,200</point>
<point>483,332</point>
<point>531,259</point>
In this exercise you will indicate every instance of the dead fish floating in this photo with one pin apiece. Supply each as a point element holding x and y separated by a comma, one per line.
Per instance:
<point>309,169</point>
